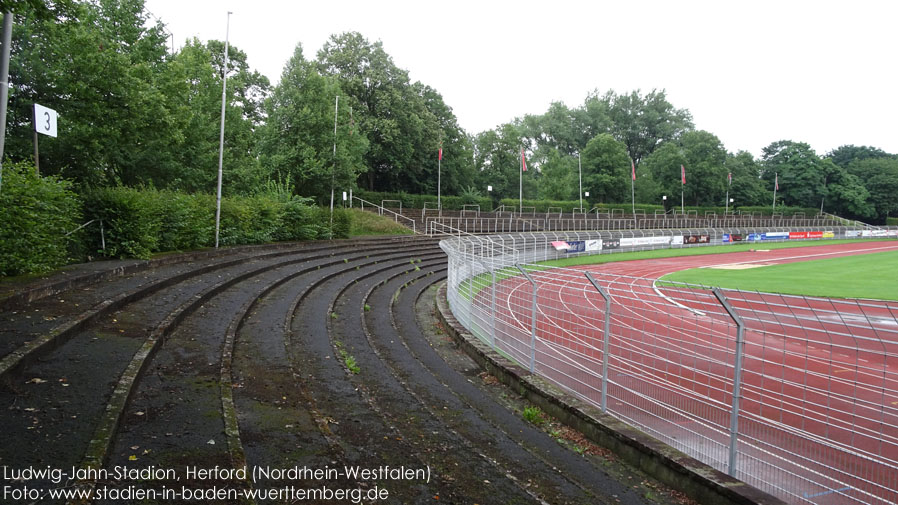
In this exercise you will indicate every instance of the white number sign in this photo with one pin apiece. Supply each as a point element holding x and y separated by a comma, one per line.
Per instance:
<point>44,120</point>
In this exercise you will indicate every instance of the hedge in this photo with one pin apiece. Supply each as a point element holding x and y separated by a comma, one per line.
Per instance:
<point>139,222</point>
<point>892,221</point>
<point>36,214</point>
<point>417,201</point>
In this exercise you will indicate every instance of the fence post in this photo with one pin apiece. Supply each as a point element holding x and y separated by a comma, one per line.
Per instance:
<point>606,337</point>
<point>493,286</point>
<point>532,321</point>
<point>737,378</point>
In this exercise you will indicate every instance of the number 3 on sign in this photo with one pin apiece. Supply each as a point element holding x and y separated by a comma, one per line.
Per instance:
<point>44,120</point>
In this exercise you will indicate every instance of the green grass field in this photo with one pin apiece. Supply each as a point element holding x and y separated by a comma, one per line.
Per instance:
<point>863,276</point>
<point>471,287</point>
<point>691,251</point>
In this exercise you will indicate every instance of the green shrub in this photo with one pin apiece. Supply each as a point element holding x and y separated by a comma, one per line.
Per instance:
<point>449,202</point>
<point>35,215</point>
<point>300,221</point>
<point>892,221</point>
<point>188,221</point>
<point>342,223</point>
<point>132,220</point>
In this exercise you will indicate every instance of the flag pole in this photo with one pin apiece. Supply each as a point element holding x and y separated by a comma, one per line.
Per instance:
<point>224,88</point>
<point>439,182</point>
<point>633,186</point>
<point>776,184</point>
<point>726,209</point>
<point>521,185</point>
<point>682,188</point>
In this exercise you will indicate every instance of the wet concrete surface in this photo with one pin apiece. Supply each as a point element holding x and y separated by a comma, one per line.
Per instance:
<point>336,363</point>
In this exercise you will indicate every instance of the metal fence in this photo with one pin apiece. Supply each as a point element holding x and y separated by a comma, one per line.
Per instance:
<point>797,396</point>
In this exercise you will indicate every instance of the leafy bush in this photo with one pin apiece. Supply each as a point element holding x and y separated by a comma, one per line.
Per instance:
<point>342,223</point>
<point>448,202</point>
<point>35,215</point>
<point>892,221</point>
<point>300,221</point>
<point>139,222</point>
<point>132,220</point>
<point>188,221</point>
<point>543,205</point>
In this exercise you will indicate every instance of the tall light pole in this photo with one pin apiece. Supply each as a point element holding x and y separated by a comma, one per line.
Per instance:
<point>4,84</point>
<point>580,172</point>
<point>224,89</point>
<point>334,167</point>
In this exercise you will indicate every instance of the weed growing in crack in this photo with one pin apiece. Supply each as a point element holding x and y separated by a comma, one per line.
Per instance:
<point>349,361</point>
<point>534,415</point>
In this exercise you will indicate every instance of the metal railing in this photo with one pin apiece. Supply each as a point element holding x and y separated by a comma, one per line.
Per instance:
<point>382,210</point>
<point>102,232</point>
<point>797,396</point>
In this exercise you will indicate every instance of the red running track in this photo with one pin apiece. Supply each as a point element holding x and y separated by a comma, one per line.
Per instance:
<point>819,403</point>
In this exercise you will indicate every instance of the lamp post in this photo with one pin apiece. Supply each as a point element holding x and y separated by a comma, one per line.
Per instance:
<point>224,88</point>
<point>580,174</point>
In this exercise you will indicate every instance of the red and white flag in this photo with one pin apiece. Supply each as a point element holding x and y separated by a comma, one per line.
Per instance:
<point>633,169</point>
<point>441,154</point>
<point>776,182</point>
<point>523,161</point>
<point>729,177</point>
<point>683,173</point>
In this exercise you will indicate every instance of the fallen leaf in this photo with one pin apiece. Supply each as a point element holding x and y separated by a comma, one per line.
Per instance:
<point>211,442</point>
<point>135,447</point>
<point>36,380</point>
<point>132,457</point>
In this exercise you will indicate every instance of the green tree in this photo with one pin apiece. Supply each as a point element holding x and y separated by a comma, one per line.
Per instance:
<point>498,161</point>
<point>559,176</point>
<point>298,140</point>
<point>403,122</point>
<point>880,177</point>
<point>704,158</point>
<point>195,99</point>
<point>844,193</point>
<point>99,70</point>
<point>746,188</point>
<point>457,167</point>
<point>844,156</point>
<point>797,170</point>
<point>606,170</point>
<point>643,123</point>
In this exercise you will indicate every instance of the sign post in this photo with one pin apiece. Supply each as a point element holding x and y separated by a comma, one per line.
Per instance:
<point>44,120</point>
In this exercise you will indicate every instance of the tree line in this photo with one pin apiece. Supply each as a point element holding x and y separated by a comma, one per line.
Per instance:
<point>134,113</point>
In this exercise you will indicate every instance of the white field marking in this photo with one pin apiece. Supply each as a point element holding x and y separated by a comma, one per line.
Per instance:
<point>739,266</point>
<point>888,247</point>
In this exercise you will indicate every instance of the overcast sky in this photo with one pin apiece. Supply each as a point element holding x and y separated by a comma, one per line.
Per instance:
<point>752,73</point>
